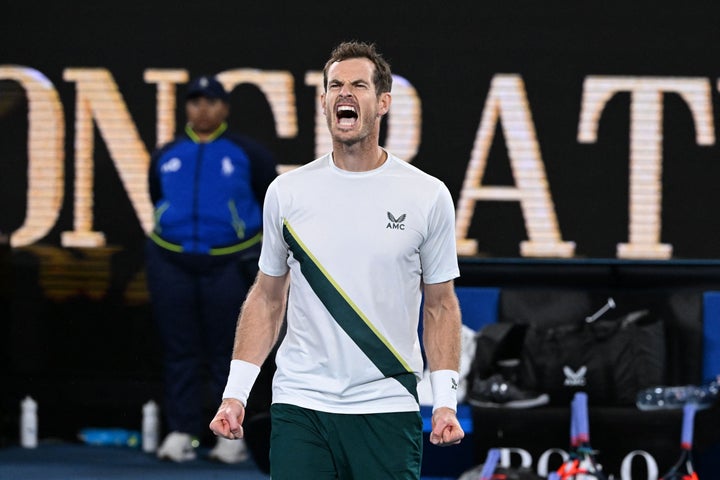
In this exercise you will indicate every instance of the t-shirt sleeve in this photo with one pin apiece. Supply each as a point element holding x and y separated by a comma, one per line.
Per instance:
<point>438,253</point>
<point>274,253</point>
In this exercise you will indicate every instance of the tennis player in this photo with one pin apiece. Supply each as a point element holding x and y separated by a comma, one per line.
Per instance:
<point>353,241</point>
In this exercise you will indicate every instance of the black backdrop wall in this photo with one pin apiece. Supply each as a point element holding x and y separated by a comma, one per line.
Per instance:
<point>76,330</point>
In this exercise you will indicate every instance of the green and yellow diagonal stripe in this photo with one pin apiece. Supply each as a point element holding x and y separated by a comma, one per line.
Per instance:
<point>348,315</point>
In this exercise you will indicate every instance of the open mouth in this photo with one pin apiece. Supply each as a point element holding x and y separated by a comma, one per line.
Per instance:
<point>346,115</point>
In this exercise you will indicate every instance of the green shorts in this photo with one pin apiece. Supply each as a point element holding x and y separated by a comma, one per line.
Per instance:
<point>311,445</point>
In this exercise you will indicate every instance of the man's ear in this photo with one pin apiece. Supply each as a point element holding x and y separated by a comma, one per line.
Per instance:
<point>384,101</point>
<point>322,103</point>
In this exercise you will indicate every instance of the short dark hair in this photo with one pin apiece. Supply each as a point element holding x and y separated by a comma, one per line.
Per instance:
<point>354,49</point>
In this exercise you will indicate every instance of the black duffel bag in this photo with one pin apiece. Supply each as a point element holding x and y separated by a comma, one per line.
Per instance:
<point>610,359</point>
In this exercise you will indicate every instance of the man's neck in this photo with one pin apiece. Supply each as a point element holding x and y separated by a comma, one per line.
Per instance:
<point>205,136</point>
<point>355,158</point>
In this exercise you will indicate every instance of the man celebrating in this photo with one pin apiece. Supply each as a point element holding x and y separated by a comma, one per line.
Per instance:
<point>358,236</point>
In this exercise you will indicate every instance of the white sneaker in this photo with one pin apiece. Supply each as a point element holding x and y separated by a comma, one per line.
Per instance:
<point>229,451</point>
<point>177,447</point>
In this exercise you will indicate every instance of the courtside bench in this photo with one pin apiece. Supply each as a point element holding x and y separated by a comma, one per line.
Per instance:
<point>692,317</point>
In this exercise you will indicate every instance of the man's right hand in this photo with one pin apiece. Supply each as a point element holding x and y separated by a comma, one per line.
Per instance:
<point>228,419</point>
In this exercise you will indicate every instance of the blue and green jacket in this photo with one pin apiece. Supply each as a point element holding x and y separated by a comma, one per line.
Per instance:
<point>208,196</point>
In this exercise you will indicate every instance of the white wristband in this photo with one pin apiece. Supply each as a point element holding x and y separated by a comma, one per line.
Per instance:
<point>444,385</point>
<point>240,380</point>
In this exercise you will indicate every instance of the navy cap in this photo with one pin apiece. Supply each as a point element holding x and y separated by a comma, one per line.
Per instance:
<point>208,87</point>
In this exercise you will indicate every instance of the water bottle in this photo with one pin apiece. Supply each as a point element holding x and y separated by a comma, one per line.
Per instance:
<point>28,423</point>
<point>675,397</point>
<point>150,427</point>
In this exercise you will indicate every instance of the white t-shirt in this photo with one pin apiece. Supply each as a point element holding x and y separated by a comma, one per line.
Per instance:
<point>357,245</point>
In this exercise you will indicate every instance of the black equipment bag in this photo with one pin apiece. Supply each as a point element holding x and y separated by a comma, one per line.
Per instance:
<point>609,358</point>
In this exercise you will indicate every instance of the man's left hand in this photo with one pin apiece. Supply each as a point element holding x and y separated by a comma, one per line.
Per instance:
<point>446,429</point>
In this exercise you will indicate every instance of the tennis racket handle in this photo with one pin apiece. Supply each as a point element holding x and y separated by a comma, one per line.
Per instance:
<point>687,425</point>
<point>491,461</point>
